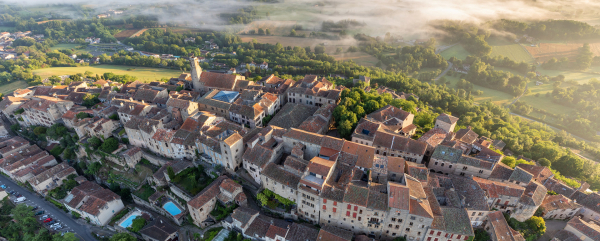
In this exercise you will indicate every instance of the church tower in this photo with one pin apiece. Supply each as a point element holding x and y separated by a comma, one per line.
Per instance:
<point>196,72</point>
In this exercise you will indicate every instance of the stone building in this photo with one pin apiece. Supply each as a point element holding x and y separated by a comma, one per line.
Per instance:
<point>499,230</point>
<point>559,207</point>
<point>44,111</point>
<point>314,92</point>
<point>223,190</point>
<point>262,149</point>
<point>93,202</point>
<point>583,230</point>
<point>446,122</point>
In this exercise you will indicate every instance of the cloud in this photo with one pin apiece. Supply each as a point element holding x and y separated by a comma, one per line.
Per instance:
<point>403,17</point>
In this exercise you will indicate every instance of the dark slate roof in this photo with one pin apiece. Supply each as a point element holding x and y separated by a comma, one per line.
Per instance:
<point>466,135</point>
<point>534,194</point>
<point>501,171</point>
<point>356,195</point>
<point>447,118</point>
<point>243,215</point>
<point>476,162</point>
<point>520,175</point>
<point>159,229</point>
<point>280,175</point>
<point>592,202</point>
<point>456,221</point>
<point>589,229</point>
<point>292,115</point>
<point>447,153</point>
<point>302,232</point>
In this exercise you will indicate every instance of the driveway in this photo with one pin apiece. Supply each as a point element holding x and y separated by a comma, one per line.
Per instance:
<point>69,224</point>
<point>552,227</point>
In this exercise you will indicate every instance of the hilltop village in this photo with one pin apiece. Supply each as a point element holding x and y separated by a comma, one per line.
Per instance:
<point>260,158</point>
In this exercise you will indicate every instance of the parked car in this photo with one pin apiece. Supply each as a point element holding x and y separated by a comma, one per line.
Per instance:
<point>34,208</point>
<point>47,220</point>
<point>39,213</point>
<point>12,192</point>
<point>55,225</point>
<point>51,222</point>
<point>44,217</point>
<point>20,199</point>
<point>3,186</point>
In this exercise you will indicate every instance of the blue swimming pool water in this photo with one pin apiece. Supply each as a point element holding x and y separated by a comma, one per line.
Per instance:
<point>171,208</point>
<point>128,221</point>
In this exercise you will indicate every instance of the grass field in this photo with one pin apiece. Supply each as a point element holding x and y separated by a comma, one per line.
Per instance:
<point>69,46</point>
<point>142,73</point>
<point>7,29</point>
<point>360,58</point>
<point>125,33</point>
<point>513,51</point>
<point>12,86</point>
<point>456,51</point>
<point>497,97</point>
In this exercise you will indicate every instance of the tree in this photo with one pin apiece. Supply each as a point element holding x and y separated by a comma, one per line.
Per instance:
<point>170,172</point>
<point>110,145</point>
<point>267,32</point>
<point>122,237</point>
<point>544,162</point>
<point>90,100</point>
<point>67,237</point>
<point>319,49</point>
<point>481,235</point>
<point>509,161</point>
<point>93,168</point>
<point>345,129</point>
<point>114,117</point>
<point>94,141</point>
<point>137,224</point>
<point>39,130</point>
<point>261,31</point>
<point>82,115</point>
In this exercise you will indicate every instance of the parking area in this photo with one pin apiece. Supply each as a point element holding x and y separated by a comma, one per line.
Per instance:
<point>47,218</point>
<point>62,221</point>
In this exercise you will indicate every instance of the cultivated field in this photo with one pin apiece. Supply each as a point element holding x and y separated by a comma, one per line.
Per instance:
<point>69,46</point>
<point>138,33</point>
<point>12,86</point>
<point>545,51</point>
<point>456,51</point>
<point>125,33</point>
<point>511,50</point>
<point>142,73</point>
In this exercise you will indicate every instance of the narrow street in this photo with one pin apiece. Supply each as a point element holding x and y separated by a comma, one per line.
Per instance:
<point>81,231</point>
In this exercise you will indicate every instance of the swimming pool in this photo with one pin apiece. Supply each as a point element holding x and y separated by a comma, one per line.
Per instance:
<point>171,208</point>
<point>128,221</point>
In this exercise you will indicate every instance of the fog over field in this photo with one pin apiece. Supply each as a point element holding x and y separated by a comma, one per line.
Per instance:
<point>396,16</point>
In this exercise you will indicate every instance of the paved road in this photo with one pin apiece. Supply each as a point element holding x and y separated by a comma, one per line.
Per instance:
<point>443,72</point>
<point>69,224</point>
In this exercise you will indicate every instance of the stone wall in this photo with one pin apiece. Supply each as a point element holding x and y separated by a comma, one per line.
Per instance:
<point>156,160</point>
<point>180,193</point>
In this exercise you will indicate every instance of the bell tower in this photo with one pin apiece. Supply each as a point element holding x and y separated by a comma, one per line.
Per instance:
<point>196,72</point>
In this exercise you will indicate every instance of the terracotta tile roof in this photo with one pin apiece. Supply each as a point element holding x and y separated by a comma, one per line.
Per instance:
<point>396,164</point>
<point>589,229</point>
<point>76,97</point>
<point>398,196</point>
<point>9,100</point>
<point>420,172</point>
<point>540,173</point>
<point>365,154</point>
<point>42,90</point>
<point>145,95</point>
<point>399,143</point>
<point>389,112</point>
<point>331,233</point>
<point>218,80</point>
<point>434,137</point>
<point>495,189</point>
<point>466,135</point>
<point>377,200</point>
<point>230,186</point>
<point>277,230</point>
<point>313,124</point>
<point>320,166</point>
<point>210,192</point>
<point>304,136</point>
<point>178,103</point>
<point>501,229</point>
<point>473,194</point>
<point>259,227</point>
<point>554,202</point>
<point>501,171</point>
<point>132,151</point>
<point>356,195</point>
<point>97,197</point>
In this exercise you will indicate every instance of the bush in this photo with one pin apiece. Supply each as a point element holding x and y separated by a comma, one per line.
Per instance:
<point>82,115</point>
<point>56,151</point>
<point>40,130</point>
<point>94,142</point>
<point>125,140</point>
<point>114,117</point>
<point>19,111</point>
<point>110,145</point>
<point>137,224</point>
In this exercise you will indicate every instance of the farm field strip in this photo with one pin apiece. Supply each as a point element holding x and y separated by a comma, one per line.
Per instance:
<point>142,73</point>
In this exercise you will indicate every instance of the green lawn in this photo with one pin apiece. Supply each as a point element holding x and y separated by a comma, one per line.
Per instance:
<point>142,73</point>
<point>12,86</point>
<point>513,50</point>
<point>497,97</point>
<point>7,29</point>
<point>69,46</point>
<point>455,51</point>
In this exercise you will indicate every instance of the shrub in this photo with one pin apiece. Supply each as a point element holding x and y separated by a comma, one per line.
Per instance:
<point>137,224</point>
<point>19,111</point>
<point>110,145</point>
<point>82,115</point>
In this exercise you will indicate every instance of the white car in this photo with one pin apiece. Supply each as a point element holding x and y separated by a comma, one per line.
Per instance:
<point>21,199</point>
<point>54,225</point>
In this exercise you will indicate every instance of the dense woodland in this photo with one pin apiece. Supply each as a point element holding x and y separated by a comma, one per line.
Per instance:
<point>549,29</point>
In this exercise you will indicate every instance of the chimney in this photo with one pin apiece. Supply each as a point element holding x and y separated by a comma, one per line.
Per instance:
<point>131,99</point>
<point>143,102</point>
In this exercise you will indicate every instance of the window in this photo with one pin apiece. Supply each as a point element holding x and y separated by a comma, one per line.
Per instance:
<point>349,206</point>
<point>354,215</point>
<point>480,171</point>
<point>334,203</point>
<point>399,220</point>
<point>436,163</point>
<point>407,229</point>
<point>355,208</point>
<point>411,223</point>
<point>442,164</point>
<point>397,226</point>
<point>393,219</point>
<point>450,166</point>
<point>473,214</point>
<point>360,211</point>
<point>464,168</point>
<point>359,218</point>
